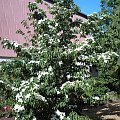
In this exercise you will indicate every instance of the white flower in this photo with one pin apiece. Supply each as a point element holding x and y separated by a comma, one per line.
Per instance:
<point>96,98</point>
<point>36,86</point>
<point>23,82</point>
<point>20,100</point>
<point>32,61</point>
<point>27,96</point>
<point>6,39</point>
<point>1,81</point>
<point>15,44</point>
<point>42,73</point>
<point>60,114</point>
<point>87,84</point>
<point>78,63</point>
<point>31,79</point>
<point>90,15</point>
<point>69,50</point>
<point>68,76</point>
<point>105,56</point>
<point>18,96</point>
<point>14,88</point>
<point>79,48</point>
<point>58,92</point>
<point>40,97</point>
<point>114,53</point>
<point>84,57</point>
<point>51,27</point>
<point>60,62</point>
<point>58,40</point>
<point>56,24</point>
<point>50,68</point>
<point>18,108</point>
<point>40,21</point>
<point>64,84</point>
<point>39,75</point>
<point>66,96</point>
<point>34,118</point>
<point>51,41</point>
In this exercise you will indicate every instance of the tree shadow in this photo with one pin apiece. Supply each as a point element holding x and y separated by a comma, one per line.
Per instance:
<point>110,111</point>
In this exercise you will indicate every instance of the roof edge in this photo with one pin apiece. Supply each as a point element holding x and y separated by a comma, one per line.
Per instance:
<point>6,57</point>
<point>79,13</point>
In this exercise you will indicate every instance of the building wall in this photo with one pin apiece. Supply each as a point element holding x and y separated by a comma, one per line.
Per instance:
<point>12,12</point>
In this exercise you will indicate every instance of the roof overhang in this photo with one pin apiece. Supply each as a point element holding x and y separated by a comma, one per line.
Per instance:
<point>79,13</point>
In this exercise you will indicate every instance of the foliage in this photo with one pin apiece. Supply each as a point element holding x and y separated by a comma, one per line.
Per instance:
<point>50,77</point>
<point>105,28</point>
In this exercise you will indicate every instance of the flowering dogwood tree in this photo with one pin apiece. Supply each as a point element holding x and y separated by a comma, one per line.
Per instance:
<point>50,77</point>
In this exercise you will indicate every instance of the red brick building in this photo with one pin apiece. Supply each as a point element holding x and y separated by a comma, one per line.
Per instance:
<point>12,12</point>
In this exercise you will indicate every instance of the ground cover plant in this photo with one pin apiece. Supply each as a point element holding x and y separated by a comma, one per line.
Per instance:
<point>50,79</point>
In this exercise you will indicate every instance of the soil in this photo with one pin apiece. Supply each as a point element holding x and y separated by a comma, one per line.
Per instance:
<point>109,111</point>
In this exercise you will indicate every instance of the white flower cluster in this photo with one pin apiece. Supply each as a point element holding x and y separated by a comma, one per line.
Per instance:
<point>26,90</point>
<point>32,61</point>
<point>40,97</point>
<point>96,98</point>
<point>60,114</point>
<point>67,83</point>
<point>18,108</point>
<point>106,56</point>
<point>51,40</point>
<point>84,57</point>
<point>34,118</point>
<point>58,92</point>
<point>78,63</point>
<point>5,41</point>
<point>15,44</point>
<point>82,46</point>
<point>51,27</point>
<point>56,24</point>
<point>42,20</point>
<point>1,81</point>
<point>94,13</point>
<point>68,51</point>
<point>44,73</point>
<point>60,62</point>
<point>68,76</point>
<point>103,16</point>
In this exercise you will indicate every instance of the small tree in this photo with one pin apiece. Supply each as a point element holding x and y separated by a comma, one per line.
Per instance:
<point>48,78</point>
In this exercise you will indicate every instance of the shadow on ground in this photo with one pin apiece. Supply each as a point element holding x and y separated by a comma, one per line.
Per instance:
<point>110,111</point>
